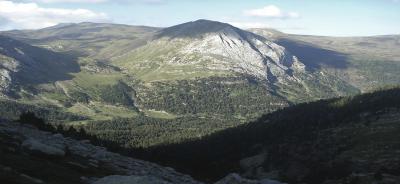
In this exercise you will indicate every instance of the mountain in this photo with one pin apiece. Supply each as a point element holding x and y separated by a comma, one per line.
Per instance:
<point>94,40</point>
<point>205,48</point>
<point>218,47</point>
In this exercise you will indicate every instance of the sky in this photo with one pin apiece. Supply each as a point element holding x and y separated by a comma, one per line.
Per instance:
<point>310,17</point>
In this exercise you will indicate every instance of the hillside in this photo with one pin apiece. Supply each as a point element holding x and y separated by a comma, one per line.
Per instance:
<point>364,62</point>
<point>94,40</point>
<point>24,66</point>
<point>344,140</point>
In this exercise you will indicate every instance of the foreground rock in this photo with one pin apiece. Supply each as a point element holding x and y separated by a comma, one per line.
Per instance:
<point>131,180</point>
<point>38,147</point>
<point>237,179</point>
<point>29,155</point>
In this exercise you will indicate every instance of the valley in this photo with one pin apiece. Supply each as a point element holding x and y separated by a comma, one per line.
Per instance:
<point>127,72</point>
<point>163,94</point>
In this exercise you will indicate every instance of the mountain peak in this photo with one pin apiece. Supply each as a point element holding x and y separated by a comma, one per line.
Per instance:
<point>194,29</point>
<point>206,22</point>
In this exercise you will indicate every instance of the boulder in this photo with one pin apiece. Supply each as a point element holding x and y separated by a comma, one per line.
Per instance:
<point>116,179</point>
<point>252,162</point>
<point>35,146</point>
<point>268,181</point>
<point>237,179</point>
<point>252,166</point>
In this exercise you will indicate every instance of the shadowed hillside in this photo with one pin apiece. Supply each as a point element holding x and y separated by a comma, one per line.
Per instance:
<point>338,140</point>
<point>315,57</point>
<point>24,64</point>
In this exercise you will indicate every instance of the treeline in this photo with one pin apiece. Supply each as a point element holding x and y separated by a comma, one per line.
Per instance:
<point>215,95</point>
<point>74,132</point>
<point>117,94</point>
<point>143,131</point>
<point>12,110</point>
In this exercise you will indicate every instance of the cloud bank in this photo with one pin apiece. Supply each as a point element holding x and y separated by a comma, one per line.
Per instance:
<point>15,15</point>
<point>93,1</point>
<point>70,1</point>
<point>247,25</point>
<point>270,11</point>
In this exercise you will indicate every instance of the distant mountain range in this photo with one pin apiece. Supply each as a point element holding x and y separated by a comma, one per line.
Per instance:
<point>196,69</point>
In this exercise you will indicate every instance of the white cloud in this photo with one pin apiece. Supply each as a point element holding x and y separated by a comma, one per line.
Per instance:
<point>153,1</point>
<point>270,11</point>
<point>70,1</point>
<point>92,1</point>
<point>32,16</point>
<point>246,25</point>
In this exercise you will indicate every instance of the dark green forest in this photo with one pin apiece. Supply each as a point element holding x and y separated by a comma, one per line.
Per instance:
<point>143,131</point>
<point>12,110</point>
<point>229,96</point>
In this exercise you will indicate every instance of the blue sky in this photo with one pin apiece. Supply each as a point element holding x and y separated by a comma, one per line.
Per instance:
<point>314,17</point>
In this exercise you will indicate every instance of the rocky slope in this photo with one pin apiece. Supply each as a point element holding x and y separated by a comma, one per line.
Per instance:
<point>231,49</point>
<point>29,155</point>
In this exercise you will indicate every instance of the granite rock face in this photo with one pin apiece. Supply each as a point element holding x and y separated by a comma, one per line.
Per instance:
<point>223,47</point>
